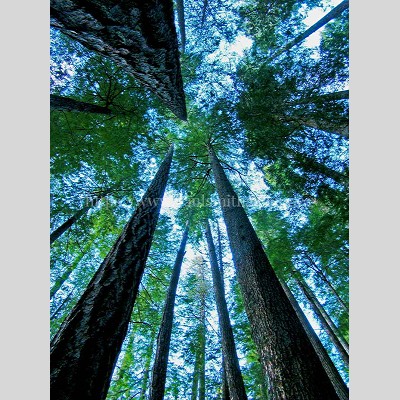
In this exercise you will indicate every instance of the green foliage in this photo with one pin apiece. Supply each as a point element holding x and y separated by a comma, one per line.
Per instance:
<point>259,117</point>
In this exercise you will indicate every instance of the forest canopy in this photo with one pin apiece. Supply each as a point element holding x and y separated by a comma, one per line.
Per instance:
<point>199,181</point>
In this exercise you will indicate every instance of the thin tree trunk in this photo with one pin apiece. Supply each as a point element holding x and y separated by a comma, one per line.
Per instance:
<point>147,365</point>
<point>60,281</point>
<point>341,389</point>
<point>334,13</point>
<point>293,368</point>
<point>139,36</point>
<point>234,377</point>
<point>70,221</point>
<point>326,322</point>
<point>85,349</point>
<point>61,103</point>
<point>181,21</point>
<point>159,373</point>
<point>195,382</point>
<point>225,387</point>
<point>321,274</point>
<point>202,342</point>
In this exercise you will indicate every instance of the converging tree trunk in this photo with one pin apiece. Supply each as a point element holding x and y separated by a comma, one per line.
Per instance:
<point>147,365</point>
<point>86,347</point>
<point>195,381</point>
<point>329,326</point>
<point>70,221</point>
<point>202,337</point>
<point>159,373</point>
<point>232,369</point>
<point>341,389</point>
<point>61,103</point>
<point>289,360</point>
<point>140,36</point>
<point>334,13</point>
<point>181,21</point>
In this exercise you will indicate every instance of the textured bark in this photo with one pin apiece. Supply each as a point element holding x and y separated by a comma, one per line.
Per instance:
<point>86,347</point>
<point>341,389</point>
<point>231,363</point>
<point>334,13</point>
<point>60,103</point>
<point>159,374</point>
<point>140,36</point>
<point>330,328</point>
<point>290,362</point>
<point>70,221</point>
<point>225,386</point>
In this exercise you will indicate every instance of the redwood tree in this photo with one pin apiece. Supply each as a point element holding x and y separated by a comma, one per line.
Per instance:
<point>232,372</point>
<point>86,347</point>
<point>289,360</point>
<point>164,335</point>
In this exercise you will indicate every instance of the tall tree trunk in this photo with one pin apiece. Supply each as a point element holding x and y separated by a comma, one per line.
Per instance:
<point>225,386</point>
<point>70,221</point>
<point>85,349</point>
<point>341,389</point>
<point>293,368</point>
<point>202,341</point>
<point>159,373</point>
<point>322,275</point>
<point>146,374</point>
<point>330,328</point>
<point>139,36</point>
<point>234,377</point>
<point>181,21</point>
<point>334,13</point>
<point>59,282</point>
<point>61,103</point>
<point>195,382</point>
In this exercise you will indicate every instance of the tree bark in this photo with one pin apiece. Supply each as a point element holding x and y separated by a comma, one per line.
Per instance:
<point>330,328</point>
<point>61,103</point>
<point>341,389</point>
<point>334,13</point>
<point>293,368</point>
<point>139,36</point>
<point>232,369</point>
<point>159,374</point>
<point>85,349</point>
